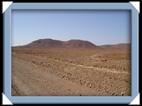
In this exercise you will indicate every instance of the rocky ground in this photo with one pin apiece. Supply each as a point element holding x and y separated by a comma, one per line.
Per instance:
<point>76,72</point>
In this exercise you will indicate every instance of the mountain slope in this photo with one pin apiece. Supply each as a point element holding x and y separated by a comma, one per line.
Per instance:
<point>50,43</point>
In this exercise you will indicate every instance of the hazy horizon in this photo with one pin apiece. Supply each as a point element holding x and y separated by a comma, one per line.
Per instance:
<point>71,39</point>
<point>98,27</point>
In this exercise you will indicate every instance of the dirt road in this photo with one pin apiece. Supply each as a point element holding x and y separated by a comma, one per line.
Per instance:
<point>31,80</point>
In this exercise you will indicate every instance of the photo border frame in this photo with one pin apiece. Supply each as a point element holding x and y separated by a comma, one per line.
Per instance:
<point>71,99</point>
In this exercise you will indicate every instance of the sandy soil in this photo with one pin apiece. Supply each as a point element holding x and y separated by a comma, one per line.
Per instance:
<point>70,72</point>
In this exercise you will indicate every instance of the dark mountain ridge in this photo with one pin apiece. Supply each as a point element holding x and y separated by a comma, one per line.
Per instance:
<point>50,43</point>
<point>73,43</point>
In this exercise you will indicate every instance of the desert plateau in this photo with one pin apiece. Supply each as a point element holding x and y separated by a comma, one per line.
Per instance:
<point>48,67</point>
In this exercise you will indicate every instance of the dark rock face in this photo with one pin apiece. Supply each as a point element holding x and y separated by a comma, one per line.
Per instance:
<point>50,43</point>
<point>79,44</point>
<point>41,43</point>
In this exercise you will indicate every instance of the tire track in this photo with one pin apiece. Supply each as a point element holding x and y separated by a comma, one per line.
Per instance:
<point>91,67</point>
<point>83,66</point>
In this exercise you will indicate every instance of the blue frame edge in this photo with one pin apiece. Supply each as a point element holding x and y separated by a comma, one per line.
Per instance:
<point>72,99</point>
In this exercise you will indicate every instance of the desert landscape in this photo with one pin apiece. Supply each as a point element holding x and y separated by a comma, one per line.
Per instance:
<point>48,67</point>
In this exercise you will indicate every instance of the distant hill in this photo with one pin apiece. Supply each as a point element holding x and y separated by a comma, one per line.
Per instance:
<point>74,43</point>
<point>45,43</point>
<point>79,44</point>
<point>50,43</point>
<point>122,46</point>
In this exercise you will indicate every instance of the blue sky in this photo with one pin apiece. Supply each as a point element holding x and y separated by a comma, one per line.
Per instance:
<point>99,27</point>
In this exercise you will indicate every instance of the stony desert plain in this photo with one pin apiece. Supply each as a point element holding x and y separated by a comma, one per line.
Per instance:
<point>73,71</point>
